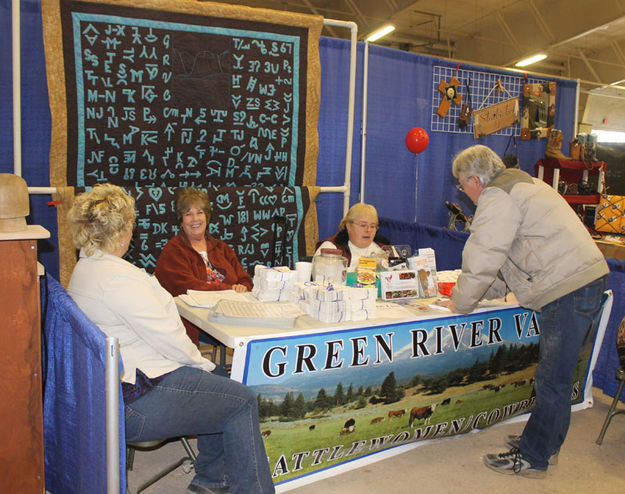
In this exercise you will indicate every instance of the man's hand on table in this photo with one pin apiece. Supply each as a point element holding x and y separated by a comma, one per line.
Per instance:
<point>447,303</point>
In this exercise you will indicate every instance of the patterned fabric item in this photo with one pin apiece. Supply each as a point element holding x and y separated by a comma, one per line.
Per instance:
<point>212,275</point>
<point>620,343</point>
<point>609,217</point>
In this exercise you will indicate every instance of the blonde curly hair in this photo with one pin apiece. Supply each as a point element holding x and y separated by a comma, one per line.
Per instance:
<point>98,218</point>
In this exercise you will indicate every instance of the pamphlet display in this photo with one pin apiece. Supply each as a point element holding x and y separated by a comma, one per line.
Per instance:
<point>398,285</point>
<point>424,264</point>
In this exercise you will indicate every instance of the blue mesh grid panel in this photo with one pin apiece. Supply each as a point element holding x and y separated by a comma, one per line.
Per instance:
<point>481,86</point>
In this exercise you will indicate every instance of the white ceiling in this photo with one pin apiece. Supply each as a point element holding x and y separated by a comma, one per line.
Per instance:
<point>584,39</point>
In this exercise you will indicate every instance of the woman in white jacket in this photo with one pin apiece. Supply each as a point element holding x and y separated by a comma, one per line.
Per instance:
<point>169,389</point>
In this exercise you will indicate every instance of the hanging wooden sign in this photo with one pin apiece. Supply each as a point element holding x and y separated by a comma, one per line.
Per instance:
<point>489,120</point>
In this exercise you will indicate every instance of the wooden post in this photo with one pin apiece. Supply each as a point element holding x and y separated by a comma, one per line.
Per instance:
<point>21,410</point>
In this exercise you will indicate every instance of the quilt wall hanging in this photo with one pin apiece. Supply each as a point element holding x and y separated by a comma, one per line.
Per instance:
<point>152,94</point>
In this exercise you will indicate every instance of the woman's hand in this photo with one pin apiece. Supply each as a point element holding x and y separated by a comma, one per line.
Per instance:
<point>239,288</point>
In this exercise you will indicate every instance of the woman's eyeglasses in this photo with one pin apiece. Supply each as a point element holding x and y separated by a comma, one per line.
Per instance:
<point>364,225</point>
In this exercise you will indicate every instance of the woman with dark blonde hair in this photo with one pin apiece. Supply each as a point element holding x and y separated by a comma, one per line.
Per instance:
<point>357,236</point>
<point>169,389</point>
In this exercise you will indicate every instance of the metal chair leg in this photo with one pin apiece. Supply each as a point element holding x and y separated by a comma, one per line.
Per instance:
<point>130,458</point>
<point>611,411</point>
<point>188,448</point>
<point>187,461</point>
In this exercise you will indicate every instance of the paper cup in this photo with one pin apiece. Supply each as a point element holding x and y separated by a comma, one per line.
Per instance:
<point>304,270</point>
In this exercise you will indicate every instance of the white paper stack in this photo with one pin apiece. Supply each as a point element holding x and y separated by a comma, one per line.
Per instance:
<point>262,314</point>
<point>273,284</point>
<point>335,303</point>
<point>202,298</point>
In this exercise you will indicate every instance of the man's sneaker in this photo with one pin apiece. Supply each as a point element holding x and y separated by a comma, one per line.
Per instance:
<point>514,441</point>
<point>513,463</point>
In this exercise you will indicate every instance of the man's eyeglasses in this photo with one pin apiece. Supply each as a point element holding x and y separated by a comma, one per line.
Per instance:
<point>460,187</point>
<point>364,225</point>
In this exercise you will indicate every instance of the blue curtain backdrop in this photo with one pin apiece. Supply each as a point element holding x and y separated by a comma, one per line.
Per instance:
<point>405,188</point>
<point>400,95</point>
<point>35,119</point>
<point>74,400</point>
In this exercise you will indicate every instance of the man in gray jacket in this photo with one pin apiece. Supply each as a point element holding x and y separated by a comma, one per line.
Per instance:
<point>525,238</point>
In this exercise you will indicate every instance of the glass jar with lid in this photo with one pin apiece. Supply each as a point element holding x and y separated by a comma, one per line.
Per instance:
<point>329,265</point>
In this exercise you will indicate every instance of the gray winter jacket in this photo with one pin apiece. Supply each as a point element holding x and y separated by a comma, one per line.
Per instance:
<point>525,238</point>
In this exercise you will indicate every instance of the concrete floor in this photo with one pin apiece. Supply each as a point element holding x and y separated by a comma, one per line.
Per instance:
<point>454,465</point>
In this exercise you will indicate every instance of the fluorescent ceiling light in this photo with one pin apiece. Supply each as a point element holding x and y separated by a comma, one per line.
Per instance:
<point>529,61</point>
<point>383,31</point>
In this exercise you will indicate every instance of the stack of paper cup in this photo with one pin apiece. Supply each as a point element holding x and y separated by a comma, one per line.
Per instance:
<point>304,270</point>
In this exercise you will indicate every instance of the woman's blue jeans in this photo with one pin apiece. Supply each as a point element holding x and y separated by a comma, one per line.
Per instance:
<point>224,415</point>
<point>565,325</point>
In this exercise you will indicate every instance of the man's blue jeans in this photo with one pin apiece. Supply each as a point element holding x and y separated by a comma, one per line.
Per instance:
<point>565,324</point>
<point>224,415</point>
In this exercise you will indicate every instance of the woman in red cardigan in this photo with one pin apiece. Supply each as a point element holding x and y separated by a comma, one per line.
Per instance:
<point>196,260</point>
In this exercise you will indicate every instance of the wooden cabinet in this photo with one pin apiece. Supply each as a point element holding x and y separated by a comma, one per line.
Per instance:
<point>21,416</point>
<point>571,174</point>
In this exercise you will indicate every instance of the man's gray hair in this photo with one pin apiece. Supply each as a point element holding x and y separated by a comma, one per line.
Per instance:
<point>477,161</point>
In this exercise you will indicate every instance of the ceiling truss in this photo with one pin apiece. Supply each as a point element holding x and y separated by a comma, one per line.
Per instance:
<point>583,39</point>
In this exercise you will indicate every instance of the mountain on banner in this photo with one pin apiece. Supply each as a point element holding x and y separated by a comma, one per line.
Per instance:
<point>372,375</point>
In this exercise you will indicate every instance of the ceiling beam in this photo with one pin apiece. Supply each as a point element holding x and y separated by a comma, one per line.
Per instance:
<point>541,22</point>
<point>601,27</point>
<point>507,31</point>
<point>618,51</point>
<point>358,14</point>
<point>316,11</point>
<point>392,4</point>
<point>579,53</point>
<point>590,68</point>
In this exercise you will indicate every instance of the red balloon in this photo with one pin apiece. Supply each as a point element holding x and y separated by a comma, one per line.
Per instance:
<point>417,140</point>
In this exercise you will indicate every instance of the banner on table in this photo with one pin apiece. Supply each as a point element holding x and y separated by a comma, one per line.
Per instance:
<point>333,397</point>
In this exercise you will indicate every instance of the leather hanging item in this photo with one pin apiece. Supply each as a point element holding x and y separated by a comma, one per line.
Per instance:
<point>466,110</point>
<point>511,160</point>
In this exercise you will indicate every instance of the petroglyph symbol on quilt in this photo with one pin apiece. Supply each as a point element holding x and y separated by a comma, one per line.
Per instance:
<point>155,193</point>
<point>223,201</point>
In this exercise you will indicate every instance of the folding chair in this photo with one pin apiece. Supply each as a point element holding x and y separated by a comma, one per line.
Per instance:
<point>620,375</point>
<point>186,461</point>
